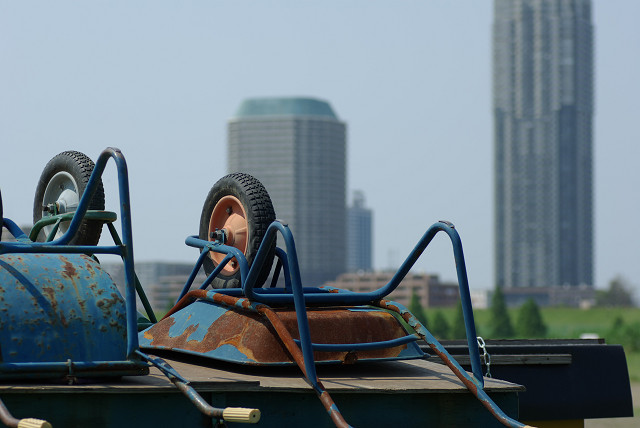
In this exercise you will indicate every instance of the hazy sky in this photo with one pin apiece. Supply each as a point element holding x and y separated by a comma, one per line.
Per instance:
<point>412,80</point>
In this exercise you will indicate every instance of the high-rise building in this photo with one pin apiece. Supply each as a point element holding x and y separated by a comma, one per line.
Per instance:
<point>359,235</point>
<point>543,109</point>
<point>297,148</point>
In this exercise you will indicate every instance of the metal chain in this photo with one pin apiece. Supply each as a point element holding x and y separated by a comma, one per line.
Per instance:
<point>485,355</point>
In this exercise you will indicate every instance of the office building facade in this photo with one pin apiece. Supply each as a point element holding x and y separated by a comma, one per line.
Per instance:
<point>297,148</point>
<point>359,235</point>
<point>430,290</point>
<point>543,110</point>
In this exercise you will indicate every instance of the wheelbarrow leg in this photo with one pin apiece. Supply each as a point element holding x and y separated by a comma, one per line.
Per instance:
<point>475,386</point>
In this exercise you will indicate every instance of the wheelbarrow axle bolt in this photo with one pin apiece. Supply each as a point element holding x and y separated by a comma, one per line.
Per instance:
<point>218,235</point>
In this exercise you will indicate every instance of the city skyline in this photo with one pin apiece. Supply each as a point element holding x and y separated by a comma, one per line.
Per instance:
<point>413,81</point>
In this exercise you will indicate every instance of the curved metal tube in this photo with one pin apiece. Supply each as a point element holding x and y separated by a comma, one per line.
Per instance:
<point>231,414</point>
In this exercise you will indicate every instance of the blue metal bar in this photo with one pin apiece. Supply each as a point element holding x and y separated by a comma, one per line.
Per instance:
<point>31,248</point>
<point>237,292</point>
<point>110,217</point>
<point>333,347</point>
<point>15,230</point>
<point>465,299</point>
<point>276,273</point>
<point>63,366</point>
<point>260,258</point>
<point>298,294</point>
<point>194,273</point>
<point>127,235</point>
<point>227,258</point>
<point>194,241</point>
<point>162,365</point>
<point>282,256</point>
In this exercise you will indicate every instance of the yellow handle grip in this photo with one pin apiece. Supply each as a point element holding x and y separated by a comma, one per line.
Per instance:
<point>241,415</point>
<point>33,423</point>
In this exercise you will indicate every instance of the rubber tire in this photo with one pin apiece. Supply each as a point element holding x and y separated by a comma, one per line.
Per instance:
<point>80,167</point>
<point>260,214</point>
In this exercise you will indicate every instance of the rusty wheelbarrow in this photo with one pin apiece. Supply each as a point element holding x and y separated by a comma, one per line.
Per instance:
<point>233,317</point>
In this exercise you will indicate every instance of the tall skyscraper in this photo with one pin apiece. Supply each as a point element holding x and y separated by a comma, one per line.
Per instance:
<point>297,148</point>
<point>359,235</point>
<point>543,109</point>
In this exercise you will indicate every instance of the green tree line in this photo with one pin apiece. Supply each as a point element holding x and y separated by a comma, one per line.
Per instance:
<point>529,322</point>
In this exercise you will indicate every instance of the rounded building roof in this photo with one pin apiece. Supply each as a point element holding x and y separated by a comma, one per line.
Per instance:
<point>293,106</point>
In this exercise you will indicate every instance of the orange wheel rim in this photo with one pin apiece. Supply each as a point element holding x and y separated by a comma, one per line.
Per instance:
<point>229,215</point>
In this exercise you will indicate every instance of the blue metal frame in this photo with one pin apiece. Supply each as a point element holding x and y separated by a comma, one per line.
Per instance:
<point>297,296</point>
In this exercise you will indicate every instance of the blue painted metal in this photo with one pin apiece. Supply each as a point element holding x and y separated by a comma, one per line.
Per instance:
<point>208,328</point>
<point>382,344</point>
<point>57,308</point>
<point>295,295</point>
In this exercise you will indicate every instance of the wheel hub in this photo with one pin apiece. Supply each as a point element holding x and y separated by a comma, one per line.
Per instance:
<point>61,194</point>
<point>228,224</point>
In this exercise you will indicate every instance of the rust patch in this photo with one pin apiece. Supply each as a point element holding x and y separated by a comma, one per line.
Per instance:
<point>247,332</point>
<point>254,336</point>
<point>346,326</point>
<point>106,304</point>
<point>51,297</point>
<point>63,321</point>
<point>69,270</point>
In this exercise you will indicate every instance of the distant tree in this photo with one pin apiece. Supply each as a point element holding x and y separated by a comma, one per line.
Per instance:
<point>458,330</point>
<point>530,323</point>
<point>619,293</point>
<point>415,307</point>
<point>632,337</point>
<point>170,303</point>
<point>615,335</point>
<point>624,334</point>
<point>500,322</point>
<point>440,326</point>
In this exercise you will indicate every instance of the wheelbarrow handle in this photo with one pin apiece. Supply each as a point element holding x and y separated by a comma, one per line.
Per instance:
<point>33,423</point>
<point>241,415</point>
<point>229,414</point>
